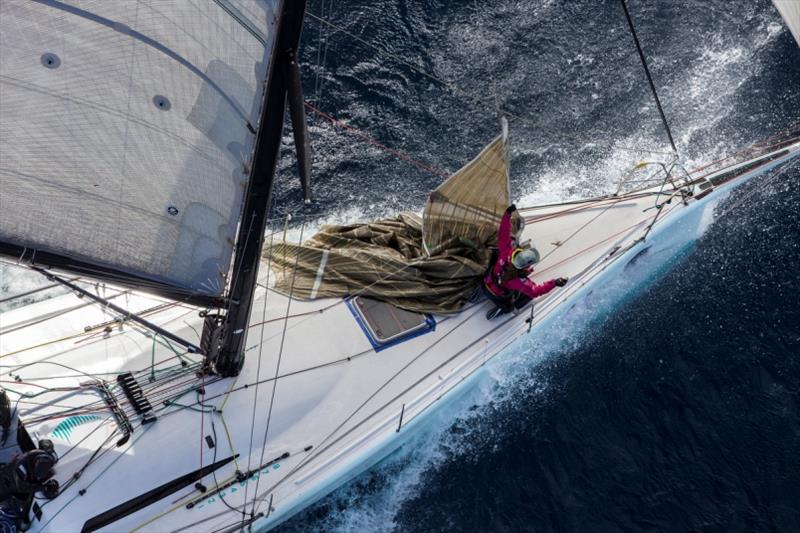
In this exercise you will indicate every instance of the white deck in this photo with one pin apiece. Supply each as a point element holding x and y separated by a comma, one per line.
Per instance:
<point>337,403</point>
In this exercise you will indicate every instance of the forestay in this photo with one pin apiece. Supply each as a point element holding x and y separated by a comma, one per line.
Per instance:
<point>127,130</point>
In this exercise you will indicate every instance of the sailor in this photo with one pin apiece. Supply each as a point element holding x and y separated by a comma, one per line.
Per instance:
<point>507,281</point>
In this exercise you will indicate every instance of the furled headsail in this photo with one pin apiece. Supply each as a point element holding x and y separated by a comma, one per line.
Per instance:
<point>469,204</point>
<point>431,264</point>
<point>790,11</point>
<point>127,132</point>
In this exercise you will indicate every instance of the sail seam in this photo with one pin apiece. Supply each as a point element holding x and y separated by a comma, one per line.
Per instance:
<point>127,30</point>
<point>236,15</point>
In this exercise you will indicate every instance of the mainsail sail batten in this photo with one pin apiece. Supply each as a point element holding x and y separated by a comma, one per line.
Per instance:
<point>127,133</point>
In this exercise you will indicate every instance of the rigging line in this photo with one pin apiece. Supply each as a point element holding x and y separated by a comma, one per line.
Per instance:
<point>581,228</point>
<point>258,366</point>
<point>97,454</point>
<point>462,95</point>
<point>214,460</point>
<point>594,245</point>
<point>320,449</point>
<point>277,371</point>
<point>51,316</point>
<point>127,30</point>
<point>746,151</point>
<point>239,269</point>
<point>783,169</point>
<point>142,433</point>
<point>201,394</point>
<point>127,314</point>
<point>319,64</point>
<point>102,423</point>
<point>355,131</point>
<point>325,53</point>
<point>649,77</point>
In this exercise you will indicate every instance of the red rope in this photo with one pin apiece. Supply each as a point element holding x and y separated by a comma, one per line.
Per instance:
<point>405,157</point>
<point>598,243</point>
<point>752,147</point>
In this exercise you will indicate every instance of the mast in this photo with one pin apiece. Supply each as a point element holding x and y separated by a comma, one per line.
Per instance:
<point>225,335</point>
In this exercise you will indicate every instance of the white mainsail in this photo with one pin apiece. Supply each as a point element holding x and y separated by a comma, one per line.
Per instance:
<point>127,131</point>
<point>790,11</point>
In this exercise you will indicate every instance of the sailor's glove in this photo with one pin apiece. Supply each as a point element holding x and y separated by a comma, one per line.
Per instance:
<point>510,209</point>
<point>560,282</point>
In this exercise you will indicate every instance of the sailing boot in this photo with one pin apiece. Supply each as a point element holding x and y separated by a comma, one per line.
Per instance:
<point>494,313</point>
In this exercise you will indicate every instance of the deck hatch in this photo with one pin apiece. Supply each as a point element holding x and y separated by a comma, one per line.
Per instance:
<point>385,324</point>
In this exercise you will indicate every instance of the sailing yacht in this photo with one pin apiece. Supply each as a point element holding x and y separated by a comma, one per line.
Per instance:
<point>203,373</point>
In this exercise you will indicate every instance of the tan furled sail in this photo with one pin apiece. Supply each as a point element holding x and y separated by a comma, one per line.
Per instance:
<point>790,11</point>
<point>382,260</point>
<point>469,204</point>
<point>429,265</point>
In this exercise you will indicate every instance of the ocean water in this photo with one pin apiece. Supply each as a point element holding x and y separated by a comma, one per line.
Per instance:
<point>668,400</point>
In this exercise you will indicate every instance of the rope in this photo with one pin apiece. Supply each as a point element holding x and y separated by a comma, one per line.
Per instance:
<point>320,80</point>
<point>370,140</point>
<point>319,64</point>
<point>258,367</point>
<point>275,382</point>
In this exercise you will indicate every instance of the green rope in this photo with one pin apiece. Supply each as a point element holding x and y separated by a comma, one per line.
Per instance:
<point>153,361</point>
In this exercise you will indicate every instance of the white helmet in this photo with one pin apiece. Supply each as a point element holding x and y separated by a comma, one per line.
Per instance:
<point>524,258</point>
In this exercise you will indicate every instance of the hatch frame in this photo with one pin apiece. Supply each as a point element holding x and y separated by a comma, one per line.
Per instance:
<point>378,341</point>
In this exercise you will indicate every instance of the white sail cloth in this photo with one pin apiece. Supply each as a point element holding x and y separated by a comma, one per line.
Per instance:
<point>790,11</point>
<point>127,128</point>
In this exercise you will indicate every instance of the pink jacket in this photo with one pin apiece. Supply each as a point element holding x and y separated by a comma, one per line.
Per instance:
<point>505,247</point>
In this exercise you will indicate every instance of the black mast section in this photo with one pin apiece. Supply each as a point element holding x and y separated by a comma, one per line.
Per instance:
<point>226,353</point>
<point>649,77</point>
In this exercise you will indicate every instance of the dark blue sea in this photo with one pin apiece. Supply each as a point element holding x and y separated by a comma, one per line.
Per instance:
<point>668,400</point>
